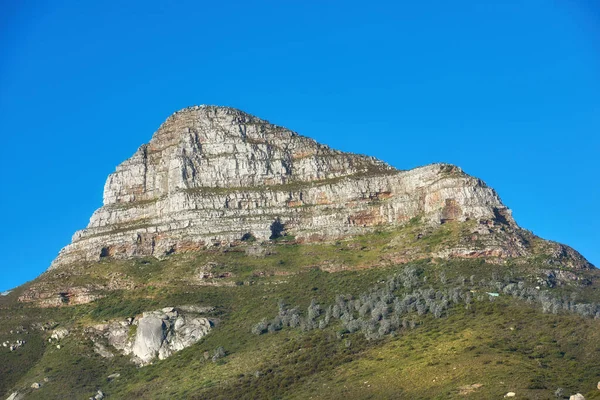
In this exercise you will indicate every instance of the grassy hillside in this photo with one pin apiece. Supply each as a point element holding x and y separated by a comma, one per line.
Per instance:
<point>421,329</point>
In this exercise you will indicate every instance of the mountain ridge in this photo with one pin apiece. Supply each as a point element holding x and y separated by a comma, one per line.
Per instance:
<point>216,235</point>
<point>215,159</point>
<point>213,175</point>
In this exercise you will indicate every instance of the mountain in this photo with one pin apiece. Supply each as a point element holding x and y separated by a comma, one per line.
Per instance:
<point>228,239</point>
<point>211,175</point>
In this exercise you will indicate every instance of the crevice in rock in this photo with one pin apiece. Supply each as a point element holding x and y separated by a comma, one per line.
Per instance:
<point>500,215</point>
<point>105,252</point>
<point>277,229</point>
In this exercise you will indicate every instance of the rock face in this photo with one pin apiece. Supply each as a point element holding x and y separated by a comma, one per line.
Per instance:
<point>151,334</point>
<point>59,334</point>
<point>213,175</point>
<point>15,396</point>
<point>157,334</point>
<point>163,333</point>
<point>49,298</point>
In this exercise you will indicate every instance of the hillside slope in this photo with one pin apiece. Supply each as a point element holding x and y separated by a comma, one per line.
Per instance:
<point>236,259</point>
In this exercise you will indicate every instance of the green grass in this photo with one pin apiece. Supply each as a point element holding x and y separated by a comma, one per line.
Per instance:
<point>505,345</point>
<point>474,347</point>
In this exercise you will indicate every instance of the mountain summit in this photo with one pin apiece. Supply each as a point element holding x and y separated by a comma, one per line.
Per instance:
<point>234,258</point>
<point>216,175</point>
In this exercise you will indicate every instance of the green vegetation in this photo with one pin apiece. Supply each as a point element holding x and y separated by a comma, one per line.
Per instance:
<point>449,336</point>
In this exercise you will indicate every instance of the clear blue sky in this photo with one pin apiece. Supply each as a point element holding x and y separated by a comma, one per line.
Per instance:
<point>508,90</point>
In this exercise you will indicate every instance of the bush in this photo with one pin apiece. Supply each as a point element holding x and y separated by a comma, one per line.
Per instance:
<point>261,327</point>
<point>218,353</point>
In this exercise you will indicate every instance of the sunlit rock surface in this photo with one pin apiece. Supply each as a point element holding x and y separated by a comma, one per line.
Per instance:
<point>211,175</point>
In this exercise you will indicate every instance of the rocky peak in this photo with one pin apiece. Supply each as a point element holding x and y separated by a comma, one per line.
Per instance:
<point>220,147</point>
<point>216,175</point>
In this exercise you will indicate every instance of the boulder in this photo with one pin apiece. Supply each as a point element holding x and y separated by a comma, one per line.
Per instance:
<point>102,350</point>
<point>151,333</point>
<point>59,333</point>
<point>188,331</point>
<point>158,334</point>
<point>577,396</point>
<point>161,333</point>
<point>119,338</point>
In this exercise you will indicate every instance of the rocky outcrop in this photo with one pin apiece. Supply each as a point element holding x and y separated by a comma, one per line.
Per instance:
<point>44,296</point>
<point>156,334</point>
<point>59,334</point>
<point>13,346</point>
<point>59,291</point>
<point>213,175</point>
<point>15,396</point>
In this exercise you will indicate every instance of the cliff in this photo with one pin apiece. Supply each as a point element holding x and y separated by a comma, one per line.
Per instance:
<point>233,258</point>
<point>216,175</point>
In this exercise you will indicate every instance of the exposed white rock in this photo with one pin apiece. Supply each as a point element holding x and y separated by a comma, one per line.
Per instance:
<point>59,333</point>
<point>158,334</point>
<point>151,333</point>
<point>15,396</point>
<point>193,308</point>
<point>213,174</point>
<point>577,396</point>
<point>17,345</point>
<point>102,350</point>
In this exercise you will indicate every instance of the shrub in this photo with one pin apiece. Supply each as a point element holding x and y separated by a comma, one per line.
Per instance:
<point>218,353</point>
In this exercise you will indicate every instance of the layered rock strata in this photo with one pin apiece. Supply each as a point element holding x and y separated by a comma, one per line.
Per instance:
<point>213,175</point>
